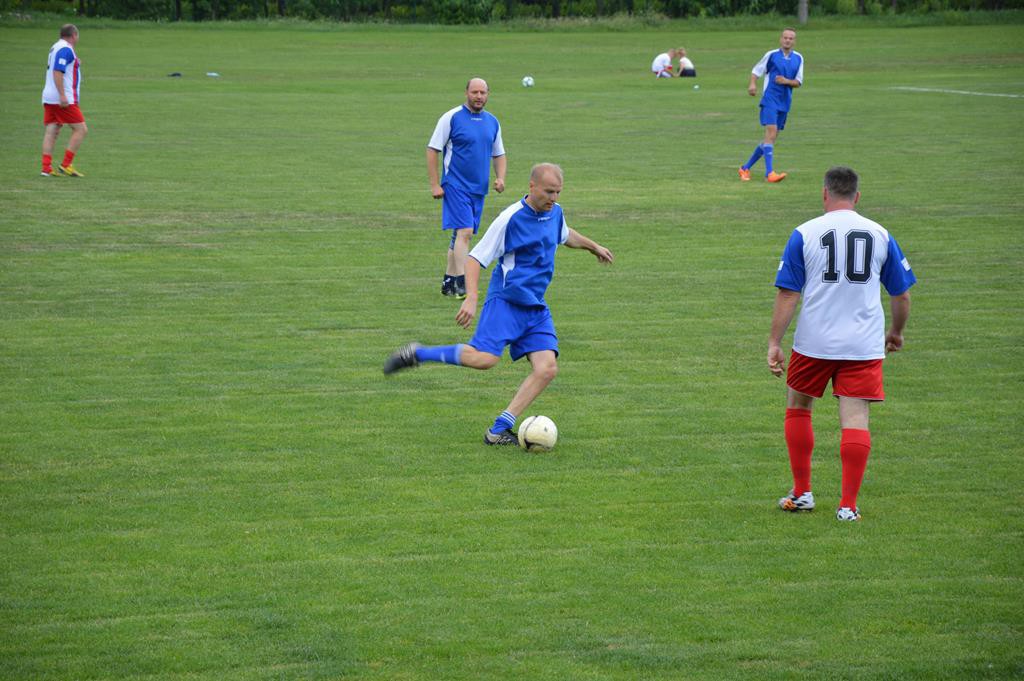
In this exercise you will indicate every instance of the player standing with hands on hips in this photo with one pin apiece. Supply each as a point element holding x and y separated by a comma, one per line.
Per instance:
<point>783,71</point>
<point>469,138</point>
<point>837,261</point>
<point>523,239</point>
<point>60,102</point>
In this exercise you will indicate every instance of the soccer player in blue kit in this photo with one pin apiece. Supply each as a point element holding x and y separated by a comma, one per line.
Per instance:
<point>783,71</point>
<point>523,239</point>
<point>470,139</point>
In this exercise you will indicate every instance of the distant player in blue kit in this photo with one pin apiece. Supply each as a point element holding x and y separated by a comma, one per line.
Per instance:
<point>523,239</point>
<point>469,139</point>
<point>783,71</point>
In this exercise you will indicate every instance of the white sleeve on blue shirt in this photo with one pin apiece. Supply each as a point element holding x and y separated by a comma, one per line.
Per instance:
<point>791,273</point>
<point>896,274</point>
<point>442,131</point>
<point>800,73</point>
<point>761,67</point>
<point>498,148</point>
<point>564,235</point>
<point>492,245</point>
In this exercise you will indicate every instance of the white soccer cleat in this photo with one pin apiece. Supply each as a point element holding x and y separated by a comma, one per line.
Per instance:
<point>791,502</point>
<point>848,514</point>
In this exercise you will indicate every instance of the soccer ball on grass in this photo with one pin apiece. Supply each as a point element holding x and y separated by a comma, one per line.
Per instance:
<point>527,81</point>
<point>538,434</point>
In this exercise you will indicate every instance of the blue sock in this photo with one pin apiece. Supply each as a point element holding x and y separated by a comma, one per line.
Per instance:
<point>448,354</point>
<point>769,151</point>
<point>505,421</point>
<point>753,157</point>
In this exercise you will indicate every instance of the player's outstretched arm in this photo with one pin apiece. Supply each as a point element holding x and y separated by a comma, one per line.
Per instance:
<point>785,306</point>
<point>900,308</point>
<point>577,240</point>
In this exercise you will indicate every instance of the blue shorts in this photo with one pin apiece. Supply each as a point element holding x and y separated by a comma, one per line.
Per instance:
<point>525,329</point>
<point>773,117</point>
<point>460,209</point>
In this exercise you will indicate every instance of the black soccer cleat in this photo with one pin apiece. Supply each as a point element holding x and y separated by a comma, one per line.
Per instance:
<point>448,288</point>
<point>504,438</point>
<point>402,358</point>
<point>459,291</point>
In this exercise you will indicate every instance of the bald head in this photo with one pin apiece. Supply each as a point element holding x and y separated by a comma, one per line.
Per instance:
<point>545,186</point>
<point>476,94</point>
<point>541,171</point>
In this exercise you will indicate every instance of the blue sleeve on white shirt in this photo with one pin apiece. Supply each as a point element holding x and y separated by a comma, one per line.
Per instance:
<point>63,59</point>
<point>897,276</point>
<point>791,273</point>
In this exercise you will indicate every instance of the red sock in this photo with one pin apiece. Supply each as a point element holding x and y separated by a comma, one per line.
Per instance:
<point>47,163</point>
<point>853,450</point>
<point>69,156</point>
<point>800,442</point>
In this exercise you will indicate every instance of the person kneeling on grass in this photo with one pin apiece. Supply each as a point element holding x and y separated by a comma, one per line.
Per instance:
<point>523,239</point>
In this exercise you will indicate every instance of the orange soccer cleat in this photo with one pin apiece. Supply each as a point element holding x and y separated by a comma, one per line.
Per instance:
<point>775,177</point>
<point>744,174</point>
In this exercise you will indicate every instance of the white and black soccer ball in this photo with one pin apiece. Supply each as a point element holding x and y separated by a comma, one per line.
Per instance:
<point>527,81</point>
<point>538,434</point>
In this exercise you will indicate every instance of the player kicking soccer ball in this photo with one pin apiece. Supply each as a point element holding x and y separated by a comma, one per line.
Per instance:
<point>837,262</point>
<point>523,239</point>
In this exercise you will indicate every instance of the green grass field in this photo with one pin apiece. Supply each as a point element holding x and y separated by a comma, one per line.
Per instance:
<point>204,475</point>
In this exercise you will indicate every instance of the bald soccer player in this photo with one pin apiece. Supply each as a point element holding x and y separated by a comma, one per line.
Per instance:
<point>469,140</point>
<point>523,240</point>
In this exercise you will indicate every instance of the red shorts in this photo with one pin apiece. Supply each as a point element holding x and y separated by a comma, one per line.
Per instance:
<point>54,113</point>
<point>859,378</point>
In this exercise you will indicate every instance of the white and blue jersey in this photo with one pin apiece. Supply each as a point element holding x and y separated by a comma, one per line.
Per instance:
<point>776,63</point>
<point>468,142</point>
<point>838,261</point>
<point>523,241</point>
<point>62,58</point>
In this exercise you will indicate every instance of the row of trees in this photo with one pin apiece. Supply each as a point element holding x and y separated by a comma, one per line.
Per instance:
<point>474,11</point>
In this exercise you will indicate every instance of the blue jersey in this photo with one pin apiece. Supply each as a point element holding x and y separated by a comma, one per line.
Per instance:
<point>468,141</point>
<point>776,63</point>
<point>524,243</point>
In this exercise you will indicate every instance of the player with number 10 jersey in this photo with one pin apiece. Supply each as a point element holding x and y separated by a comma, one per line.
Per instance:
<point>839,260</point>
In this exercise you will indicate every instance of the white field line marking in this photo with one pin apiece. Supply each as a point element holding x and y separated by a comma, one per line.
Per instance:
<point>956,92</point>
